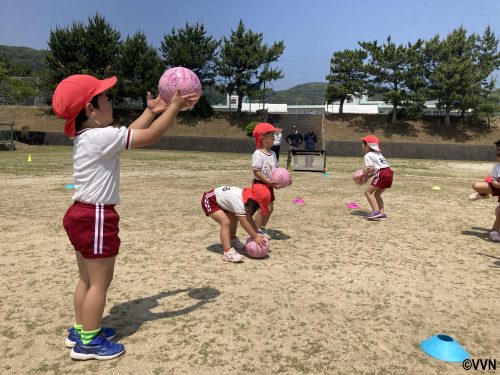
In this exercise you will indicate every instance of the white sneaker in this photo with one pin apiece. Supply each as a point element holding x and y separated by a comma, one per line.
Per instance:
<point>237,244</point>
<point>264,233</point>
<point>232,256</point>
<point>495,236</point>
<point>475,196</point>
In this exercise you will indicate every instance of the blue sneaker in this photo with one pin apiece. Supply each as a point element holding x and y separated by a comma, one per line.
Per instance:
<point>99,348</point>
<point>74,336</point>
<point>374,215</point>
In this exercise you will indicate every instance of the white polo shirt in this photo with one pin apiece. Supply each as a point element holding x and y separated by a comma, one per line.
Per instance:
<point>230,198</point>
<point>264,162</point>
<point>96,163</point>
<point>375,160</point>
<point>495,172</point>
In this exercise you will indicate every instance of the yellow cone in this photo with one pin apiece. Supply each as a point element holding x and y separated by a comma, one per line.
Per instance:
<point>29,157</point>
<point>436,188</point>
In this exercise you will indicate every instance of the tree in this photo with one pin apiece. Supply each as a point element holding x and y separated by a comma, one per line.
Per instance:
<point>191,48</point>
<point>347,76</point>
<point>83,49</point>
<point>241,57</point>
<point>392,69</point>
<point>457,69</point>
<point>139,67</point>
<point>11,85</point>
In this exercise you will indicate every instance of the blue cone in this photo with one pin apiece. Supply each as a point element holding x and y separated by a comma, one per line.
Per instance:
<point>70,186</point>
<point>444,348</point>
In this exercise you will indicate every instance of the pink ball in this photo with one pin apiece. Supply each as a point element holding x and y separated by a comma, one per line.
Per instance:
<point>281,176</point>
<point>178,78</point>
<point>359,178</point>
<point>256,251</point>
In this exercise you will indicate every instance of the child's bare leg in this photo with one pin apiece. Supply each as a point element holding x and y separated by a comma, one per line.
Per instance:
<point>371,199</point>
<point>496,224</point>
<point>225,228</point>
<point>233,220</point>
<point>100,272</point>
<point>264,219</point>
<point>82,286</point>
<point>482,187</point>
<point>380,201</point>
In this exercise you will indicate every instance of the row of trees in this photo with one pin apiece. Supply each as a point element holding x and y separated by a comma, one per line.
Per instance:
<point>236,64</point>
<point>455,71</point>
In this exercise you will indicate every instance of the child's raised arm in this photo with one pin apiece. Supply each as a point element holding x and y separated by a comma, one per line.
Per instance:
<point>151,135</point>
<point>248,223</point>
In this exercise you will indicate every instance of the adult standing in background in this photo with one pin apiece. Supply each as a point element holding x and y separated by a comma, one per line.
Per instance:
<point>310,140</point>
<point>277,144</point>
<point>294,139</point>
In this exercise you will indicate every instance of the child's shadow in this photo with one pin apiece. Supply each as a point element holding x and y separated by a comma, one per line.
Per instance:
<point>482,233</point>
<point>278,235</point>
<point>360,213</point>
<point>129,316</point>
<point>496,263</point>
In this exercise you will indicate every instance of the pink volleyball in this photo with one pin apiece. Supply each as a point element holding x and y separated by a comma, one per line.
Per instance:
<point>256,251</point>
<point>178,78</point>
<point>359,177</point>
<point>281,176</point>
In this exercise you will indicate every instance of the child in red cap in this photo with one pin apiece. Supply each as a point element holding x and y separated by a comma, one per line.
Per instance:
<point>91,222</point>
<point>377,166</point>
<point>264,160</point>
<point>228,205</point>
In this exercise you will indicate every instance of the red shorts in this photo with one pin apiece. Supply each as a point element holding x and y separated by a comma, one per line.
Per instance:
<point>209,203</point>
<point>271,189</point>
<point>494,191</point>
<point>93,229</point>
<point>383,178</point>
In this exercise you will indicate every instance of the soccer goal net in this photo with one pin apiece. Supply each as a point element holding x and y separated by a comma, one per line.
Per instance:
<point>304,160</point>
<point>7,136</point>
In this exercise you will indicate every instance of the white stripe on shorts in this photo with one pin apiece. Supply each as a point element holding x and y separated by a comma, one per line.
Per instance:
<point>99,228</point>
<point>207,204</point>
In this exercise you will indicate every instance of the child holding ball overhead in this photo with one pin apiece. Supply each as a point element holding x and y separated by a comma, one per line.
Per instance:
<point>263,162</point>
<point>228,205</point>
<point>91,222</point>
<point>377,166</point>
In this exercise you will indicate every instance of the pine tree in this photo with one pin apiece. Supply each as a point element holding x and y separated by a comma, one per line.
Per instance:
<point>347,76</point>
<point>241,62</point>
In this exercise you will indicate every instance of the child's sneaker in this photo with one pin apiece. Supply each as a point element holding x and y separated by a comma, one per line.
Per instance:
<point>237,244</point>
<point>74,336</point>
<point>495,235</point>
<point>232,256</point>
<point>264,233</point>
<point>383,217</point>
<point>374,215</point>
<point>475,196</point>
<point>99,348</point>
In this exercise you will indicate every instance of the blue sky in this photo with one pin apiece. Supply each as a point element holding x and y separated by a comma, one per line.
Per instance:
<point>312,30</point>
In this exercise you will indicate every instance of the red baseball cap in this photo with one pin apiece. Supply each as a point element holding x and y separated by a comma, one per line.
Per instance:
<point>259,193</point>
<point>72,95</point>
<point>261,129</point>
<point>372,142</point>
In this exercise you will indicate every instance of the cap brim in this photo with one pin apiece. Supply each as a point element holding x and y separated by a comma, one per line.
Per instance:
<point>374,146</point>
<point>105,84</point>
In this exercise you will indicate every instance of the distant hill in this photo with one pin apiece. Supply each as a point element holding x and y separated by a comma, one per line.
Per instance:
<point>307,93</point>
<point>24,55</point>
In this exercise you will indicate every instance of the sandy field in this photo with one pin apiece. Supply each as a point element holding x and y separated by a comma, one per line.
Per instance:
<point>336,295</point>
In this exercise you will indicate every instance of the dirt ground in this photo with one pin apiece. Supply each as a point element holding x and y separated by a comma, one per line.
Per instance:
<point>337,295</point>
